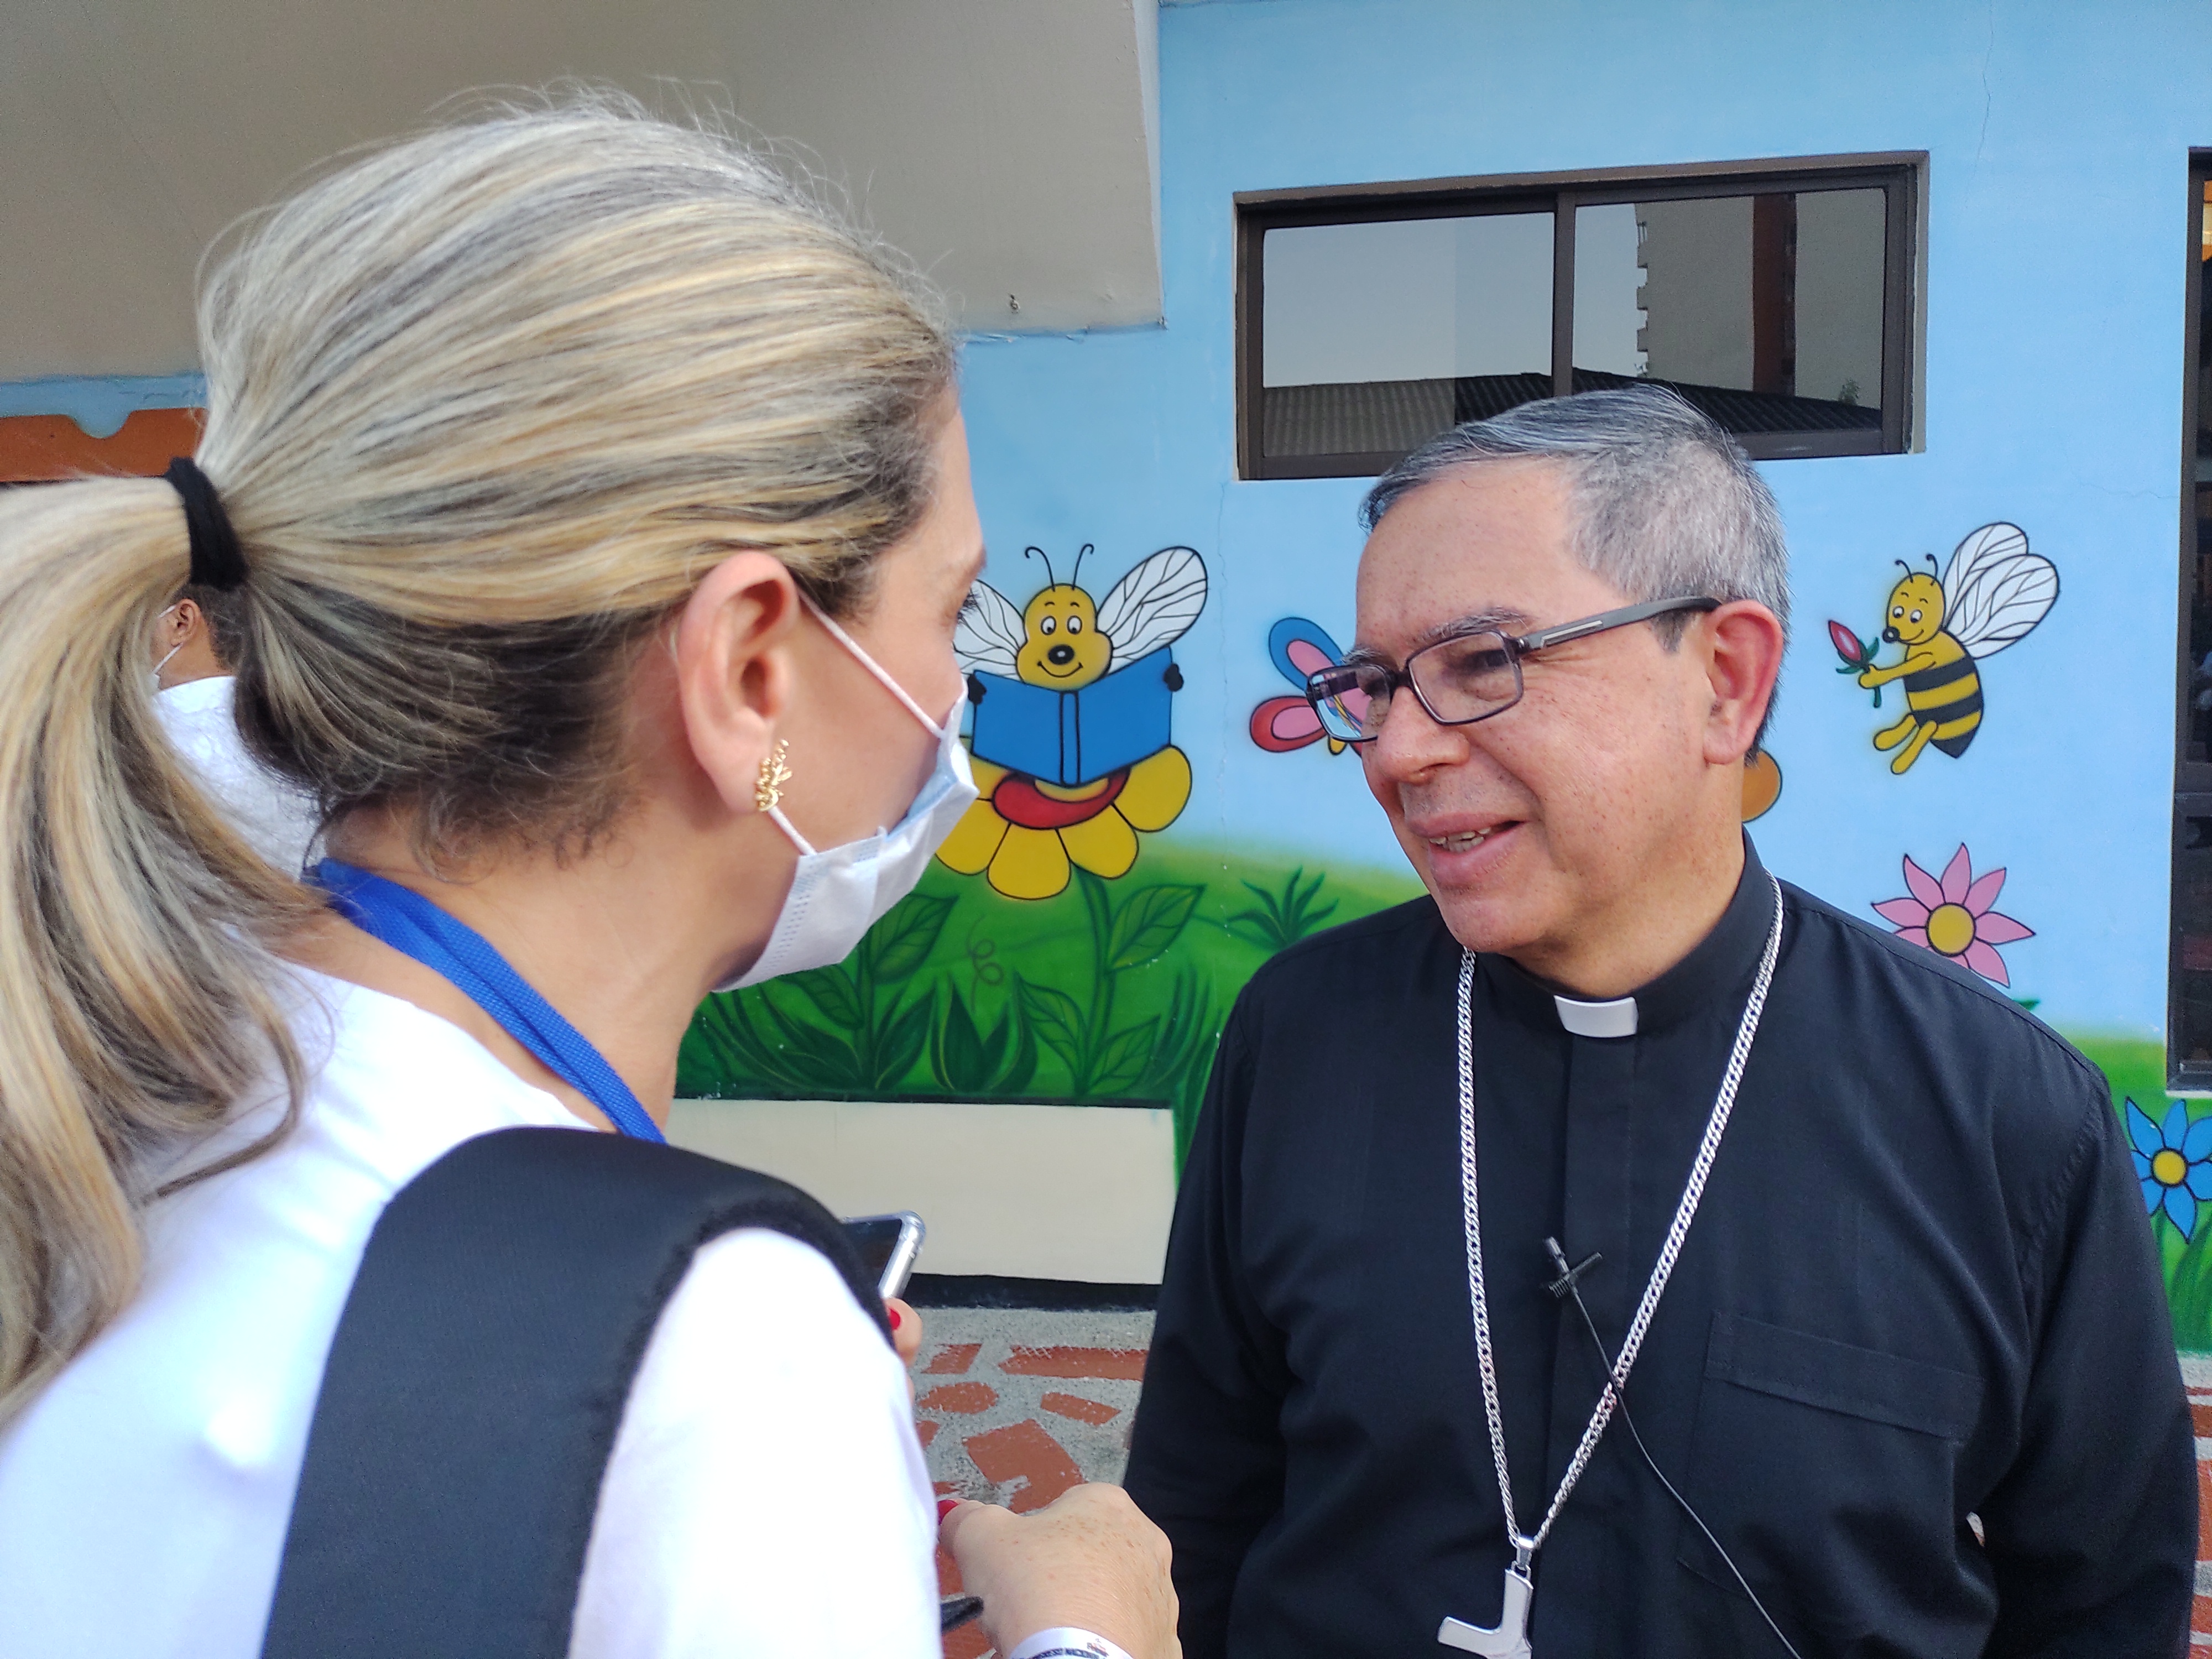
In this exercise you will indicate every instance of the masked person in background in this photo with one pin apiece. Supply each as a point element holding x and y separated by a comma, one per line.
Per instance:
<point>194,643</point>
<point>596,510</point>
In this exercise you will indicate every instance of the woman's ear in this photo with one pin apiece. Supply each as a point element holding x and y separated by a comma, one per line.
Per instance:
<point>174,626</point>
<point>733,674</point>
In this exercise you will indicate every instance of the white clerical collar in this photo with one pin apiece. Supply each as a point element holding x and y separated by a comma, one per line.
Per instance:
<point>1616,1018</point>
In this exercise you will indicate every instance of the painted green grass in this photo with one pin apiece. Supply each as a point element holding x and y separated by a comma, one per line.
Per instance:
<point>1114,990</point>
<point>1117,990</point>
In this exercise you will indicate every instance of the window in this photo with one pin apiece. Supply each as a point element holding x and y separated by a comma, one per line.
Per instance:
<point>2189,987</point>
<point>1777,296</point>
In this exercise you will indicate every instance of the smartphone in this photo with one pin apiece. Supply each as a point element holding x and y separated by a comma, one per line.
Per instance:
<point>888,1244</point>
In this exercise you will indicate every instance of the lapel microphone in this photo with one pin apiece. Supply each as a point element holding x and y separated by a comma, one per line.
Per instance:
<point>1569,1284</point>
<point>1569,1277</point>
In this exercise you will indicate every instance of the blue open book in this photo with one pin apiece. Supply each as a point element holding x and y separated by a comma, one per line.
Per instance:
<point>1067,738</point>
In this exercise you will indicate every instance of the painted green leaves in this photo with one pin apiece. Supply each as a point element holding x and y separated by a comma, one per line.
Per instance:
<point>1283,918</point>
<point>966,1061</point>
<point>858,1028</point>
<point>1112,991</point>
<point>1147,923</point>
<point>1103,1060</point>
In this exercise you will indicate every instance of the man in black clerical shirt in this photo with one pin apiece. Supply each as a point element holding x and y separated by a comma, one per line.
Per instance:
<point>1911,1366</point>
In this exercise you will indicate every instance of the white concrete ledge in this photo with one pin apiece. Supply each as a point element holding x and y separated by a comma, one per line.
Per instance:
<point>1037,1192</point>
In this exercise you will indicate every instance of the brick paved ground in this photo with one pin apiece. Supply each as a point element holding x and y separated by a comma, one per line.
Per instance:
<point>2196,1371</point>
<point>1016,1406</point>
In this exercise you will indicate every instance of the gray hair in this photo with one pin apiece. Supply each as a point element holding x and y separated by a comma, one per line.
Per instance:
<point>1667,505</point>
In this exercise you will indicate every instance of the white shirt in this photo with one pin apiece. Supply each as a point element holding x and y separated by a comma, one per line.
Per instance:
<point>276,820</point>
<point>766,1495</point>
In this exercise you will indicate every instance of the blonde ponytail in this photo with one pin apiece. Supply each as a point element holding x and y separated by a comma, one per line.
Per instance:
<point>134,925</point>
<point>484,407</point>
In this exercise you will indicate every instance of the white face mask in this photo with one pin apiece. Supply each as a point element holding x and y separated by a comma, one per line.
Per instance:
<point>155,677</point>
<point>837,895</point>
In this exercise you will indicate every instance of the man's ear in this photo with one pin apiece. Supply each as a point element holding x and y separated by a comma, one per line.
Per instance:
<point>733,674</point>
<point>1743,660</point>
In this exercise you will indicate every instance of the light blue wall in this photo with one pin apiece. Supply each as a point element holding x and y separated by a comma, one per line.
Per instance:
<point>102,403</point>
<point>2056,256</point>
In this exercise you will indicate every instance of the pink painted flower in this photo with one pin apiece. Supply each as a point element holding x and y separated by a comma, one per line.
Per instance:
<point>1952,918</point>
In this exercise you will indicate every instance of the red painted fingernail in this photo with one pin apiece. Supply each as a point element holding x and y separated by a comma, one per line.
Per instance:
<point>894,1313</point>
<point>945,1506</point>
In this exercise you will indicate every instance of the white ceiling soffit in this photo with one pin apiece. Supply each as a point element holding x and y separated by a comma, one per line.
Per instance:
<point>1009,146</point>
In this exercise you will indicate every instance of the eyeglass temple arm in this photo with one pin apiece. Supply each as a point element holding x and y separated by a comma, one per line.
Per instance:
<point>1543,639</point>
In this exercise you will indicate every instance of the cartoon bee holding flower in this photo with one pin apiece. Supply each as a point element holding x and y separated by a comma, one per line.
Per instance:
<point>1070,736</point>
<point>1992,595</point>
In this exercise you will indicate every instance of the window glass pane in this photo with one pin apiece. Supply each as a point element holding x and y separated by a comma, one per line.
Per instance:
<point>2193,853</point>
<point>2192,904</point>
<point>1377,335</point>
<point>1609,290</point>
<point>1765,311</point>
<point>1839,302</point>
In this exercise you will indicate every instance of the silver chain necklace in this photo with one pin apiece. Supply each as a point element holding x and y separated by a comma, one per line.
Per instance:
<point>1510,1638</point>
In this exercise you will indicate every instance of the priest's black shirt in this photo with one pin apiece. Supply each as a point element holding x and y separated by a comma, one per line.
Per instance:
<point>1921,1288</point>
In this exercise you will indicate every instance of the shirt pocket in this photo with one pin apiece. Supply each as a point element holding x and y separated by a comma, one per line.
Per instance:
<point>1828,1471</point>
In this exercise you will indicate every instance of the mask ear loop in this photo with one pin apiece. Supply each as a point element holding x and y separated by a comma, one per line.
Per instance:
<point>853,646</point>
<point>173,649</point>
<point>805,849</point>
<point>874,667</point>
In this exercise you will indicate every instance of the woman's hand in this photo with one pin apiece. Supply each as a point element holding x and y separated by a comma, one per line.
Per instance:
<point>906,1329</point>
<point>1089,1560</point>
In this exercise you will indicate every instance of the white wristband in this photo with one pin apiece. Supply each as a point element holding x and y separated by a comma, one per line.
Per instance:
<point>1065,1641</point>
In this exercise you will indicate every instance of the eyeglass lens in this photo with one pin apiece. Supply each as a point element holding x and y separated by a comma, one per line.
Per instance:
<point>1465,679</point>
<point>1459,679</point>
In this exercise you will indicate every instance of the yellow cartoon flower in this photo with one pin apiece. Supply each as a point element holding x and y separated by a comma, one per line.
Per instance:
<point>1027,834</point>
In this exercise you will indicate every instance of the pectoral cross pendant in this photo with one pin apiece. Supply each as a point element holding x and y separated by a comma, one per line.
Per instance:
<point>1509,1640</point>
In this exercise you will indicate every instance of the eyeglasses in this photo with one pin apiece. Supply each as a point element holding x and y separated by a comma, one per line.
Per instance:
<point>1460,680</point>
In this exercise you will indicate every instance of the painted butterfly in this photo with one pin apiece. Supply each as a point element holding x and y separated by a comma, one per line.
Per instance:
<point>1299,648</point>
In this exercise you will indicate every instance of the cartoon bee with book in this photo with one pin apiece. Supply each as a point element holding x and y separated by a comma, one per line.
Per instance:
<point>1992,595</point>
<point>1072,721</point>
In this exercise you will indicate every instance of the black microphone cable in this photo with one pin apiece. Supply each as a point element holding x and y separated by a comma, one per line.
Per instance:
<point>1566,1285</point>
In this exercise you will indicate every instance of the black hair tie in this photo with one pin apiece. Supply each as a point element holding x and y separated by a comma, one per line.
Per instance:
<point>218,562</point>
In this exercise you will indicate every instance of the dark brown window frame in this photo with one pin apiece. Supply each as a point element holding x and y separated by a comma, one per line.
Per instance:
<point>2192,780</point>
<point>1901,175</point>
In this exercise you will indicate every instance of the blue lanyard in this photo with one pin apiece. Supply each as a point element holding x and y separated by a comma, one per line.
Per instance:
<point>410,924</point>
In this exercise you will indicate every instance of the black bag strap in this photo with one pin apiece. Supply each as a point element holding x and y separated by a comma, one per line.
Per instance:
<point>477,1381</point>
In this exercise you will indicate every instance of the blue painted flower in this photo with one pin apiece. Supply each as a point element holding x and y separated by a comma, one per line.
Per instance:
<point>2173,1162</point>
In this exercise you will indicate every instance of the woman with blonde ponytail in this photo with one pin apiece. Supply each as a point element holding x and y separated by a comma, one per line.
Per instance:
<point>592,508</point>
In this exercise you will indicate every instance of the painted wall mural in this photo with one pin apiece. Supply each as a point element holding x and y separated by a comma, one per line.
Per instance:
<point>1953,914</point>
<point>1042,958</point>
<point>1284,725</point>
<point>1124,438</point>
<point>2172,1157</point>
<point>2173,1164</point>
<point>1108,992</point>
<point>1990,596</point>
<point>1762,784</point>
<point>1071,723</point>
<point>1063,949</point>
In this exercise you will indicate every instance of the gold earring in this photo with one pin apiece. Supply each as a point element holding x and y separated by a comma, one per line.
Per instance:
<point>774,775</point>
